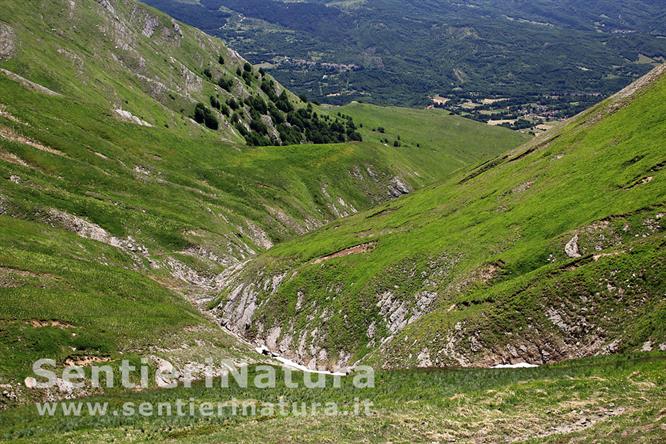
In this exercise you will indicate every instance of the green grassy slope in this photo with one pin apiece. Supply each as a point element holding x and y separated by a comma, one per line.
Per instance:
<point>423,134</point>
<point>475,271</point>
<point>612,399</point>
<point>106,224</point>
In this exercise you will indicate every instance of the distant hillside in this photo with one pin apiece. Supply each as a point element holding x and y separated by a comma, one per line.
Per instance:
<point>551,58</point>
<point>118,210</point>
<point>552,251</point>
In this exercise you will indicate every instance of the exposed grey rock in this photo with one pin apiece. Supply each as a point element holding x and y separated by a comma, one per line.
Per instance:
<point>191,276</point>
<point>522,187</point>
<point>398,314</point>
<point>272,338</point>
<point>398,187</point>
<point>9,116</point>
<point>356,173</point>
<point>300,299</point>
<point>424,358</point>
<point>151,24</point>
<point>106,4</point>
<point>236,314</point>
<point>94,232</point>
<point>571,248</point>
<point>28,84</point>
<point>7,41</point>
<point>192,83</point>
<point>371,330</point>
<point>203,253</point>
<point>176,28</point>
<point>556,319</point>
<point>424,301</point>
<point>73,58</point>
<point>613,347</point>
<point>394,311</point>
<point>131,118</point>
<point>8,392</point>
<point>285,343</point>
<point>258,236</point>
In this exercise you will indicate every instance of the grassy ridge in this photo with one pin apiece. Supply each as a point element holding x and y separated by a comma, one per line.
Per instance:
<point>484,255</point>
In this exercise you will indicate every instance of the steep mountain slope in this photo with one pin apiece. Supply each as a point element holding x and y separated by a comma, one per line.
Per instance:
<point>114,203</point>
<point>554,250</point>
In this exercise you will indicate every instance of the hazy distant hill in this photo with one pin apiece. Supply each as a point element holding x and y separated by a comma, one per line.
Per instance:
<point>554,57</point>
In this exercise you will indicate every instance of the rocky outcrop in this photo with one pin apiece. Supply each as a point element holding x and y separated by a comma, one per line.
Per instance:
<point>28,84</point>
<point>131,118</point>
<point>398,187</point>
<point>236,314</point>
<point>90,230</point>
<point>258,236</point>
<point>7,41</point>
<point>571,248</point>
<point>398,313</point>
<point>106,4</point>
<point>150,25</point>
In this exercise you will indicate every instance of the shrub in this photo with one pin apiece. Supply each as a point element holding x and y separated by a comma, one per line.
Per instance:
<point>268,87</point>
<point>214,102</point>
<point>356,137</point>
<point>204,115</point>
<point>255,139</point>
<point>258,126</point>
<point>233,104</point>
<point>276,114</point>
<point>248,78</point>
<point>225,84</point>
<point>283,103</point>
<point>289,135</point>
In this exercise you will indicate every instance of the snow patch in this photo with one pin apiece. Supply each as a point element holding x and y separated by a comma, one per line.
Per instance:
<point>288,363</point>
<point>519,365</point>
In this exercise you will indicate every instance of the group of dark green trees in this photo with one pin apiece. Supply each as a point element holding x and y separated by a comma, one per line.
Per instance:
<point>276,121</point>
